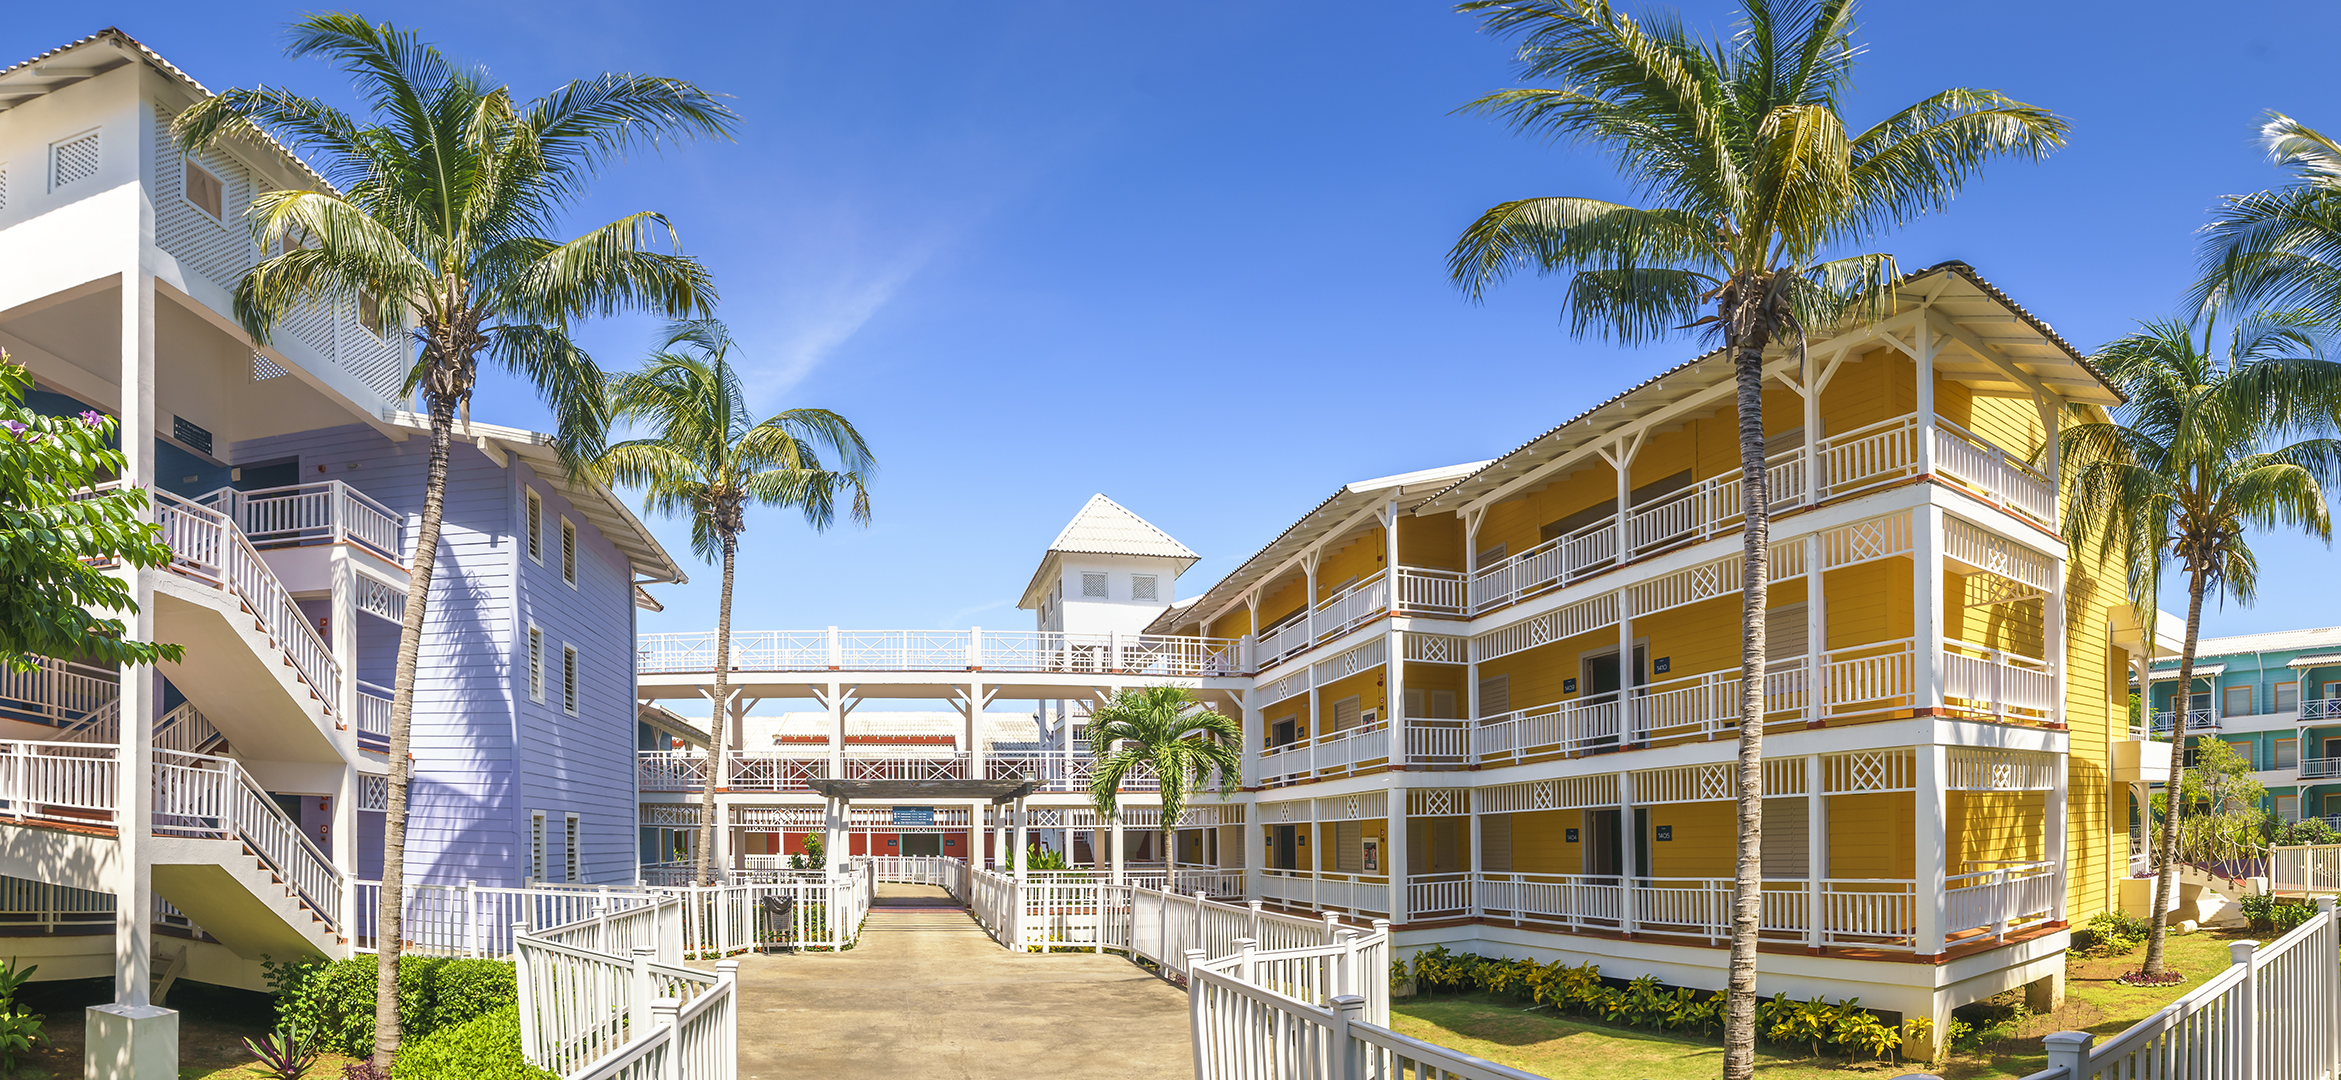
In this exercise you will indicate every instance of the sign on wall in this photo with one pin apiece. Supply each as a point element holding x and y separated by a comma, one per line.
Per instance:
<point>922,817</point>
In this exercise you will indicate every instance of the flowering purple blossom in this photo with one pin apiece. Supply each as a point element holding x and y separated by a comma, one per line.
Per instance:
<point>14,428</point>
<point>92,417</point>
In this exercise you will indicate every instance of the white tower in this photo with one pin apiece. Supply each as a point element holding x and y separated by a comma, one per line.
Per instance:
<point>1108,571</point>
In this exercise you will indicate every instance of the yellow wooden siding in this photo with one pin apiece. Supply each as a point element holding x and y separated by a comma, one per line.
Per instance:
<point>1430,677</point>
<point>1283,601</point>
<point>1294,708</point>
<point>1433,540</point>
<point>2096,714</point>
<point>1984,828</point>
<point>1436,845</point>
<point>1236,623</point>
<point>1541,844</point>
<point>1361,558</point>
<point>1535,675</point>
<point>1872,836</point>
<point>2016,628</point>
<point>1705,844</point>
<point>1366,686</point>
<point>1875,385</point>
<point>1868,602</point>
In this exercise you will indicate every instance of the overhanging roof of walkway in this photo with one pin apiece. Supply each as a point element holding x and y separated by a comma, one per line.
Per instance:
<point>996,791</point>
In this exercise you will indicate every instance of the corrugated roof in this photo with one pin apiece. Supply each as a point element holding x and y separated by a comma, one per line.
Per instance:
<point>1106,527</point>
<point>2321,638</point>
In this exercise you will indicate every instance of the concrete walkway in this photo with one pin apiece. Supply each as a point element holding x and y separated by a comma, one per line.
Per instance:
<point>928,994</point>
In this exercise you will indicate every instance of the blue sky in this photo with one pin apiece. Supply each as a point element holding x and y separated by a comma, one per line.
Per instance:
<point>1190,255</point>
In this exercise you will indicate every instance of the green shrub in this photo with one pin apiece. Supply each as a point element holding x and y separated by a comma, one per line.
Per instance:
<point>335,1001</point>
<point>2113,933</point>
<point>483,1048</point>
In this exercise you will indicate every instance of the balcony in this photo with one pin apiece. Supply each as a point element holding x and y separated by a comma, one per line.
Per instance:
<point>2320,768</point>
<point>1998,476</point>
<point>790,771</point>
<point>2197,720</point>
<point>1337,753</point>
<point>305,514</point>
<point>943,650</point>
<point>1423,591</point>
<point>2321,711</point>
<point>374,704</point>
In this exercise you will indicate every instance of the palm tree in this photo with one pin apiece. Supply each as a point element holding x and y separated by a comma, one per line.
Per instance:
<point>708,458</point>
<point>1169,731</point>
<point>2281,249</point>
<point>440,203</point>
<point>2187,471</point>
<point>1754,185</point>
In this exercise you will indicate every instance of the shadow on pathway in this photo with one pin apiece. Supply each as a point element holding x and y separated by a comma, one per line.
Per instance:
<point>928,994</point>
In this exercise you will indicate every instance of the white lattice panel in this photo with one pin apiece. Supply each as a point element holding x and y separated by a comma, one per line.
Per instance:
<point>1865,541</point>
<point>765,817</point>
<point>670,814</point>
<point>1438,802</point>
<point>1358,807</point>
<point>1290,686</point>
<point>381,599</point>
<point>1977,769</point>
<point>1869,770</point>
<point>1364,657</point>
<point>1582,617</point>
<point>218,248</point>
<point>74,160</point>
<point>1684,784</point>
<point>3,185</point>
<point>1288,812</point>
<point>1568,793</point>
<point>374,793</point>
<point>1436,648</point>
<point>1710,580</point>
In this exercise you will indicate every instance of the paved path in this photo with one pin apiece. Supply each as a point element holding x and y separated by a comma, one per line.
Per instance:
<point>928,994</point>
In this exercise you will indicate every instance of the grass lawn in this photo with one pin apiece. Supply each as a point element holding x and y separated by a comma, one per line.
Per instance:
<point>1581,1049</point>
<point>213,1022</point>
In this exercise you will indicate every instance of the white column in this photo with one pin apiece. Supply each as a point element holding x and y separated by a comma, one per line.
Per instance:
<point>1629,724</point>
<point>2053,636</point>
<point>975,837</point>
<point>1316,723</point>
<point>1000,837</point>
<point>975,731</point>
<point>836,702</point>
<point>1926,597</point>
<point>1023,827</point>
<point>2053,827</point>
<point>1622,462</point>
<point>1394,694</point>
<point>1470,648</point>
<point>1811,453</point>
<point>2051,420</point>
<point>1925,345</point>
<point>134,899</point>
<point>1816,632</point>
<point>1115,849</point>
<point>1471,854</point>
<point>1816,849</point>
<point>1928,848</point>
<point>341,845</point>
<point>1628,840</point>
<point>1394,853</point>
<point>833,840</point>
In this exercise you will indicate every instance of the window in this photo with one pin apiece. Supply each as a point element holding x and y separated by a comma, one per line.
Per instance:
<point>572,832</point>
<point>2288,807</point>
<point>2236,701</point>
<point>569,679</point>
<point>1093,585</point>
<point>206,191</point>
<point>1430,704</point>
<point>2287,753</point>
<point>370,314</point>
<point>1495,695</point>
<point>535,523</point>
<point>1349,847</point>
<point>1142,586</point>
<point>2287,697</point>
<point>2248,751</point>
<point>73,160</point>
<point>1345,714</point>
<point>536,664</point>
<point>569,552</point>
<point>536,845</point>
<point>1491,556</point>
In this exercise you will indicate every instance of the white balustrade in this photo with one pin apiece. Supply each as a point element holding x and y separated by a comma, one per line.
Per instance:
<point>2000,684</point>
<point>2197,720</point>
<point>1287,640</point>
<point>1352,607</point>
<point>943,650</point>
<point>2320,768</point>
<point>198,795</point>
<point>2321,710</point>
<point>1335,753</point>
<point>330,512</point>
<point>209,548</point>
<point>55,691</point>
<point>1430,591</point>
<point>1991,901</point>
<point>1993,473</point>
<point>374,704</point>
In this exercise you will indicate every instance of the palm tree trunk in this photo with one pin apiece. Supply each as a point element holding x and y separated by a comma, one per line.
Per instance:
<point>2166,880</point>
<point>388,933</point>
<point>717,727</point>
<point>1739,1010</point>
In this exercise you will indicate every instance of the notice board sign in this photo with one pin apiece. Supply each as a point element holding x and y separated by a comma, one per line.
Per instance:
<point>922,817</point>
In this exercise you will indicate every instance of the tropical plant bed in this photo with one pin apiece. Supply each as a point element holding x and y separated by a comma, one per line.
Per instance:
<point>213,1024</point>
<point>2005,1045</point>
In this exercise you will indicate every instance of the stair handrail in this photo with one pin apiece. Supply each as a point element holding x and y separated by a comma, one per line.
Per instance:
<point>101,726</point>
<point>209,795</point>
<point>182,719</point>
<point>208,544</point>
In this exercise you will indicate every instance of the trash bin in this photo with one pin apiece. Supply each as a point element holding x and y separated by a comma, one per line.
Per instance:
<point>780,924</point>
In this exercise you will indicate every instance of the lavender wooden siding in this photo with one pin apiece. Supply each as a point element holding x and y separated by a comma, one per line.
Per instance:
<point>485,756</point>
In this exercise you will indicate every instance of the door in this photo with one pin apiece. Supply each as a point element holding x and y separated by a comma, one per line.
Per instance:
<point>1284,850</point>
<point>1601,843</point>
<point>1602,677</point>
<point>922,843</point>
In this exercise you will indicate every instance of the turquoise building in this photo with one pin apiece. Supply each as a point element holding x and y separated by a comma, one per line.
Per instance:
<point>2274,697</point>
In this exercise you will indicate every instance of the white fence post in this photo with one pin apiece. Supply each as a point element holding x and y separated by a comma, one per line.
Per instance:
<point>1341,1055</point>
<point>1195,1010</point>
<point>638,999</point>
<point>2069,1051</point>
<point>2247,1043</point>
<point>662,1018</point>
<point>531,1044</point>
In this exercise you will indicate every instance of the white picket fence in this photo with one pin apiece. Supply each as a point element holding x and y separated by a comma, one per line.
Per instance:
<point>2311,868</point>
<point>709,921</point>
<point>609,998</point>
<point>2272,1015</point>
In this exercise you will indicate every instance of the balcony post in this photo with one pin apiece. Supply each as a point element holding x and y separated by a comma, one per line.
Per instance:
<point>1394,696</point>
<point>1621,460</point>
<point>1629,726</point>
<point>975,648</point>
<point>1474,870</point>
<point>1816,853</point>
<point>1927,584</point>
<point>1394,852</point>
<point>836,650</point>
<point>1811,450</point>
<point>1627,837</point>
<point>1925,363</point>
<point>834,698</point>
<point>2053,823</point>
<point>2053,458</point>
<point>1816,632</point>
<point>139,693</point>
<point>1927,850</point>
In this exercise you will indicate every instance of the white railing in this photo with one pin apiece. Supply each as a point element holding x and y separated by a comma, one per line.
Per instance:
<point>1336,753</point>
<point>1556,562</point>
<point>935,767</point>
<point>2268,1016</point>
<point>2320,768</point>
<point>1061,911</point>
<point>767,771</point>
<point>207,547</point>
<point>1710,506</point>
<point>1866,457</point>
<point>943,650</point>
<point>825,913</point>
<point>2197,720</point>
<point>2310,868</point>
<point>1864,912</point>
<point>476,920</point>
<point>185,729</point>
<point>944,871</point>
<point>1995,900</point>
<point>73,783</point>
<point>199,795</point>
<point>1999,684</point>
<point>1424,590</point>
<point>1994,473</point>
<point>2321,710</point>
<point>1351,608</point>
<point>1286,640</point>
<point>331,512</point>
<point>56,692</point>
<point>589,1011</point>
<point>374,703</point>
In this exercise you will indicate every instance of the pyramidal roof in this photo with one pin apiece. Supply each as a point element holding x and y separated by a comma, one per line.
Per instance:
<point>1106,527</point>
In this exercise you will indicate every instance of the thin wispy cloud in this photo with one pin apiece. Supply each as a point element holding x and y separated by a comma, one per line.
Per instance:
<point>833,316</point>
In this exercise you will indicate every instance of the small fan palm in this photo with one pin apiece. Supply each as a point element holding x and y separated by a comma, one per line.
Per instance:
<point>1170,732</point>
<point>1756,184</point>
<point>708,458</point>
<point>446,194</point>
<point>2189,468</point>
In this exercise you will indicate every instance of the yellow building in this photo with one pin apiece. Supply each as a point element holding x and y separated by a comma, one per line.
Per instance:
<point>1497,703</point>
